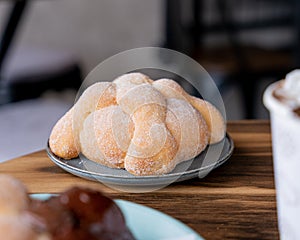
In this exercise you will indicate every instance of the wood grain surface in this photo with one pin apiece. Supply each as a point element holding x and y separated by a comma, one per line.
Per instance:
<point>235,201</point>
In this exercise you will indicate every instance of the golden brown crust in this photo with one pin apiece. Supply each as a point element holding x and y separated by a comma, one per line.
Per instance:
<point>129,81</point>
<point>212,116</point>
<point>170,89</point>
<point>215,122</point>
<point>154,165</point>
<point>62,140</point>
<point>188,127</point>
<point>152,147</point>
<point>95,97</point>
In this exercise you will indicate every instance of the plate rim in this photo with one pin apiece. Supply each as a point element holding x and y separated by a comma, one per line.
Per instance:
<point>63,163</point>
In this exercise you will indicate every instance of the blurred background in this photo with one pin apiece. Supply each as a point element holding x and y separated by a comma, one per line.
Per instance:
<point>47,47</point>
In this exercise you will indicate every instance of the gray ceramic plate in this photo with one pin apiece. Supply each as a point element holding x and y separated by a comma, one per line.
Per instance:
<point>212,157</point>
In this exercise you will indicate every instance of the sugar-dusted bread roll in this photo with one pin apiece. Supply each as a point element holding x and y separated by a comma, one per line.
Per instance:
<point>144,126</point>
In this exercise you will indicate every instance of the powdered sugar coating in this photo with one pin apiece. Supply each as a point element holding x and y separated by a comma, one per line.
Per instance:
<point>145,126</point>
<point>126,82</point>
<point>213,118</point>
<point>106,136</point>
<point>188,127</point>
<point>62,140</point>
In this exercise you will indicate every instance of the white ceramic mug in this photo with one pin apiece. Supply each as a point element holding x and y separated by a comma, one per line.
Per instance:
<point>285,126</point>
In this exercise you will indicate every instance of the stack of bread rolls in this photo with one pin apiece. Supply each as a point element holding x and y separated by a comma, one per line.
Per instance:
<point>144,126</point>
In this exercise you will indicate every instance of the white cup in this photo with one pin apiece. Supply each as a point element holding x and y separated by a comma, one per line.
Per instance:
<point>285,126</point>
